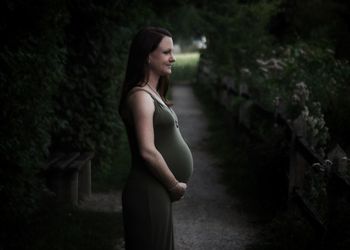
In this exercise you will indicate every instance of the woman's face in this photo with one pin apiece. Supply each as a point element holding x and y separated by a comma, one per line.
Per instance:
<point>162,58</point>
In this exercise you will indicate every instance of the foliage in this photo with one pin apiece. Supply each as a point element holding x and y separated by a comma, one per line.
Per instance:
<point>85,105</point>
<point>297,19</point>
<point>31,59</point>
<point>237,33</point>
<point>252,168</point>
<point>186,23</point>
<point>114,177</point>
<point>245,42</point>
<point>293,65</point>
<point>315,190</point>
<point>285,72</point>
<point>62,65</point>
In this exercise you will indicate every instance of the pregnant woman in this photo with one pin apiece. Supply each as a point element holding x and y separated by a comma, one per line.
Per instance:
<point>161,160</point>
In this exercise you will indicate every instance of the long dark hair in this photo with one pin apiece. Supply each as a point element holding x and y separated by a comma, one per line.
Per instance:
<point>144,42</point>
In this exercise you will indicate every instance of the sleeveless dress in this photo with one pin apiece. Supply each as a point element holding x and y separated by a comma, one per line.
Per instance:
<point>147,208</point>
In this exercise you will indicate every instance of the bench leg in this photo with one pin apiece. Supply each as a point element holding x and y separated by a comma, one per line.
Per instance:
<point>85,181</point>
<point>72,184</point>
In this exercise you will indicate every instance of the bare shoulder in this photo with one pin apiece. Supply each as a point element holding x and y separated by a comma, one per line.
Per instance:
<point>139,100</point>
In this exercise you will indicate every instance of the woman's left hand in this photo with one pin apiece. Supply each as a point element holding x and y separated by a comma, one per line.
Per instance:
<point>178,192</point>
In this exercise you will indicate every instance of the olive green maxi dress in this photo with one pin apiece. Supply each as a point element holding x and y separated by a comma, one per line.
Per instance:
<point>147,207</point>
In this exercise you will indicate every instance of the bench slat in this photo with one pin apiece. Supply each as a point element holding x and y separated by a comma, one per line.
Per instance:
<point>52,160</point>
<point>81,161</point>
<point>65,161</point>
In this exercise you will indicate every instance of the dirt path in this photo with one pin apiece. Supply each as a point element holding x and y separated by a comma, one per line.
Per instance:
<point>207,218</point>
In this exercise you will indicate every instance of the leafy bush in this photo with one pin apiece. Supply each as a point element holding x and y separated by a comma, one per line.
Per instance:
<point>279,73</point>
<point>237,33</point>
<point>31,58</point>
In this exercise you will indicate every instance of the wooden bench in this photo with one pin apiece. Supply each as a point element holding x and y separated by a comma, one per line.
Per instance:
<point>69,176</point>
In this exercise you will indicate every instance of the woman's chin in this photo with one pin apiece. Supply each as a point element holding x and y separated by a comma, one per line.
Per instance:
<point>167,73</point>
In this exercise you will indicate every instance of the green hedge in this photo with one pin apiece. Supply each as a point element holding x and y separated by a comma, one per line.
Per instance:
<point>62,64</point>
<point>85,103</point>
<point>31,59</point>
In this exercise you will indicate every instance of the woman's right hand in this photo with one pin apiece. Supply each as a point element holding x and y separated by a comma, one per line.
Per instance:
<point>178,191</point>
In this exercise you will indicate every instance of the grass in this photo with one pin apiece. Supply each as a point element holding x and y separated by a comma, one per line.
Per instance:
<point>185,67</point>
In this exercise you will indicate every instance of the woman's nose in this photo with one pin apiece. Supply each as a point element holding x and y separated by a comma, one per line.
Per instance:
<point>172,58</point>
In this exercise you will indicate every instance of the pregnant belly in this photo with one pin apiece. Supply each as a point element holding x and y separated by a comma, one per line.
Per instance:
<point>178,156</point>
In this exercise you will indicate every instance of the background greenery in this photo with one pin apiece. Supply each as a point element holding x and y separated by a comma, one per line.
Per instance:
<point>271,46</point>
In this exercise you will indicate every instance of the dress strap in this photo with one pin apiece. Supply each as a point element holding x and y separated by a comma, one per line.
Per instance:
<point>149,92</point>
<point>140,89</point>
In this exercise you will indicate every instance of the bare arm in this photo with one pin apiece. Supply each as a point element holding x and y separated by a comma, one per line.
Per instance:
<point>142,109</point>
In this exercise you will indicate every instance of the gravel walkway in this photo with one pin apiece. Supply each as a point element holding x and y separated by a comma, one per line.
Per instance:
<point>207,218</point>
